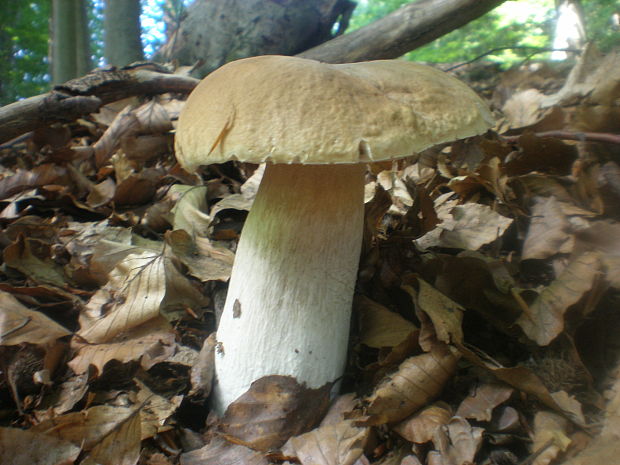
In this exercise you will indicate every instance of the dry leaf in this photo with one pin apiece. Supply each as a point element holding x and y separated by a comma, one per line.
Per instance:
<point>380,327</point>
<point>544,320</point>
<point>550,437</point>
<point>458,442</point>
<point>120,447</point>
<point>151,343</point>
<point>189,213</point>
<point>203,369</point>
<point>417,381</point>
<point>420,427</point>
<point>155,410</point>
<point>204,260</point>
<point>19,447</point>
<point>338,444</point>
<point>272,410</point>
<point>445,314</point>
<point>605,238</point>
<point>33,257</point>
<point>19,324</point>
<point>468,227</point>
<point>549,231</point>
<point>482,400</point>
<point>221,452</point>
<point>86,428</point>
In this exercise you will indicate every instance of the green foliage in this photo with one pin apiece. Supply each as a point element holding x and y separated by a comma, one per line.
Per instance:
<point>23,49</point>
<point>526,23</point>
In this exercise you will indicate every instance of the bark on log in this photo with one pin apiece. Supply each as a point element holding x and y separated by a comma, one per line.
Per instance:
<point>405,29</point>
<point>85,95</point>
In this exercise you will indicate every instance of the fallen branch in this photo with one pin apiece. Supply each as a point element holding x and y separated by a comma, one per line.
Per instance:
<point>86,95</point>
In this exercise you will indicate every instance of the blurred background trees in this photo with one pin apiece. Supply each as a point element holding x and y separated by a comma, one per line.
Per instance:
<point>49,41</point>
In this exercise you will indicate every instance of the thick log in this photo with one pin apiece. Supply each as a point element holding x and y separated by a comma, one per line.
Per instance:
<point>403,30</point>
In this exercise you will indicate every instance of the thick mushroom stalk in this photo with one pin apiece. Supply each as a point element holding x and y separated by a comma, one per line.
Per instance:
<point>288,307</point>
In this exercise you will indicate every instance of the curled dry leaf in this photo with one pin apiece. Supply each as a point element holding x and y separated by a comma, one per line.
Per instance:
<point>550,437</point>
<point>272,410</point>
<point>549,231</point>
<point>380,327</point>
<point>189,212</point>
<point>603,236</point>
<point>458,442</point>
<point>41,175</point>
<point>28,448</point>
<point>482,400</point>
<point>33,258</point>
<point>204,260</point>
<point>203,370</point>
<point>417,381</point>
<point>155,410</point>
<point>420,427</point>
<point>221,452</point>
<point>468,227</point>
<point>544,320</point>
<point>338,444</point>
<point>445,314</point>
<point>19,324</point>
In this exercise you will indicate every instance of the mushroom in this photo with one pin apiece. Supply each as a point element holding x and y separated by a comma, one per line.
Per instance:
<point>316,126</point>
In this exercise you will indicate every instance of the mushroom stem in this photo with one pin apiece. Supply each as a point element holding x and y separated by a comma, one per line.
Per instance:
<point>288,306</point>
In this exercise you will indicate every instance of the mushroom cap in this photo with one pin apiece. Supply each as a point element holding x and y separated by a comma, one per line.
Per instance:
<point>293,110</point>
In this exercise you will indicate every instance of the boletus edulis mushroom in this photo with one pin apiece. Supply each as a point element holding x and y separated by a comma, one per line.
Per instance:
<point>316,126</point>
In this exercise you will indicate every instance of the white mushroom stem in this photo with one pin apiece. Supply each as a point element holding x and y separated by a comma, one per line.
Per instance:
<point>289,300</point>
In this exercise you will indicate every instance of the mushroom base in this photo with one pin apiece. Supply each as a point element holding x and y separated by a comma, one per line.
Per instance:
<point>288,306</point>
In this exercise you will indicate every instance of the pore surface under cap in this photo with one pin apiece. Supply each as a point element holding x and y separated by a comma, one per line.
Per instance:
<point>292,110</point>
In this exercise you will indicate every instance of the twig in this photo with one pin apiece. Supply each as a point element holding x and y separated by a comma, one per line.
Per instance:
<point>514,47</point>
<point>568,135</point>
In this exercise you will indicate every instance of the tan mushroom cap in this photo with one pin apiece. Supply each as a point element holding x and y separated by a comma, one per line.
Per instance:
<point>292,110</point>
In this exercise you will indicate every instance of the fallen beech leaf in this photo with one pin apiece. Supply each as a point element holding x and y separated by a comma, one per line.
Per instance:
<point>272,410</point>
<point>221,452</point>
<point>340,409</point>
<point>545,319</point>
<point>138,188</point>
<point>204,260</point>
<point>33,258</point>
<point>458,442</point>
<point>155,410</point>
<point>380,327</point>
<point>550,437</point>
<point>65,396</point>
<point>482,400</point>
<point>338,444</point>
<point>549,231</point>
<point>604,237</point>
<point>420,427</point>
<point>570,406</point>
<point>468,227</point>
<point>417,381</point>
<point>120,447</point>
<point>19,324</point>
<point>151,343</point>
<point>38,176</point>
<point>201,375</point>
<point>28,448</point>
<point>189,212</point>
<point>86,428</point>
<point>445,314</point>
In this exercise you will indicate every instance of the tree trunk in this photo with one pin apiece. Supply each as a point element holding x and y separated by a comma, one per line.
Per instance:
<point>122,44</point>
<point>570,29</point>
<point>82,39</point>
<point>70,40</point>
<point>64,66</point>
<point>218,31</point>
